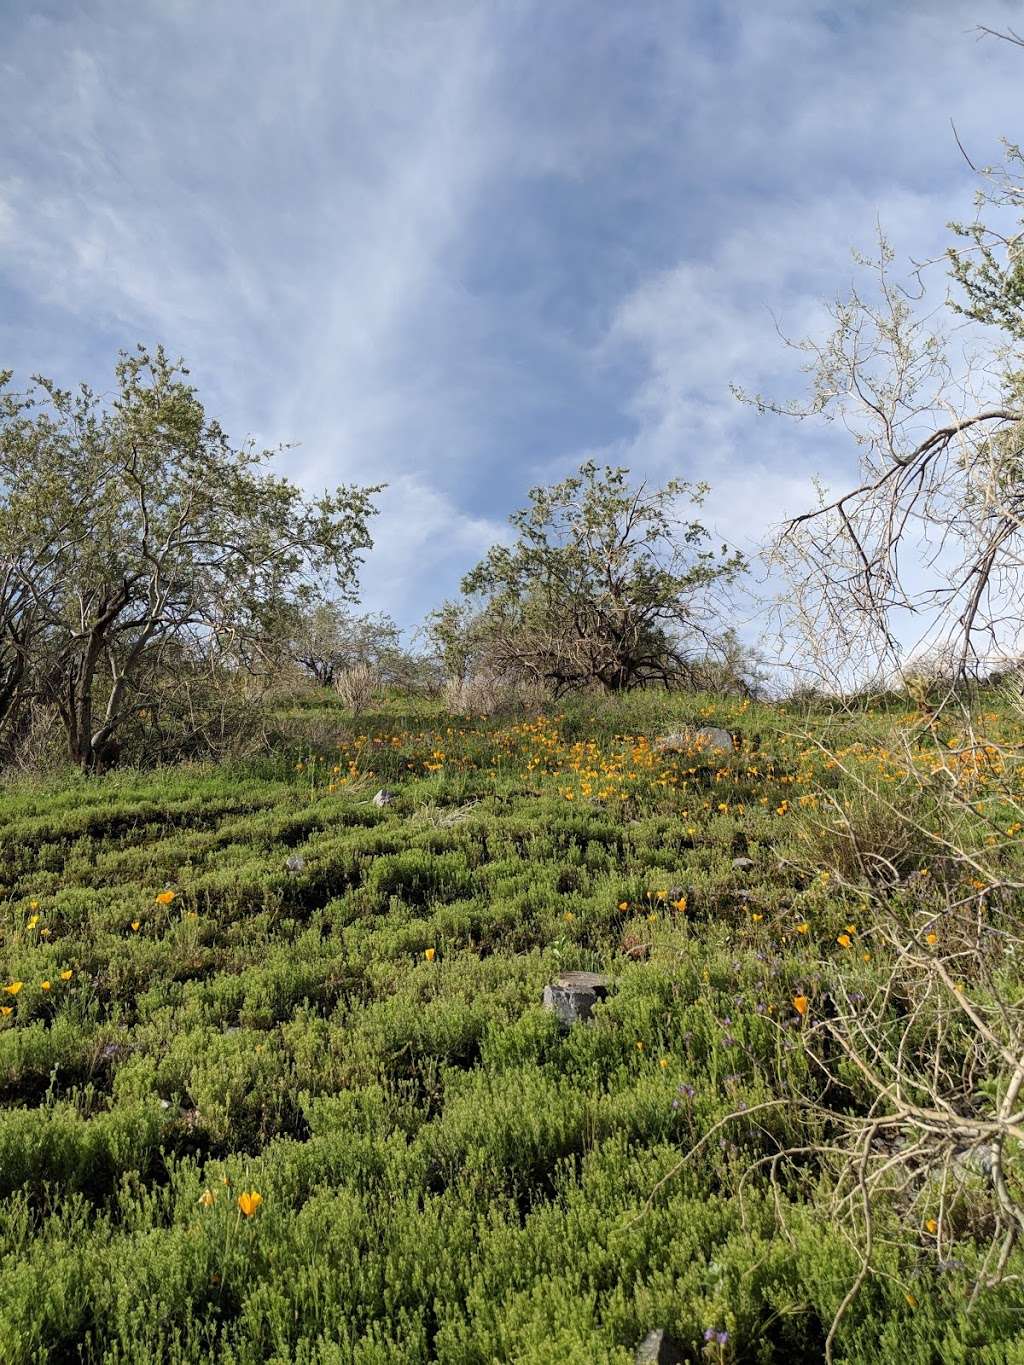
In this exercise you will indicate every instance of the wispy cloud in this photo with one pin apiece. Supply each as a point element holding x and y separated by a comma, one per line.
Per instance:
<point>457,246</point>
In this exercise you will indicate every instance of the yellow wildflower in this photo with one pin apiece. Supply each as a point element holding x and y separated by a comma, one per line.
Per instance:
<point>249,1201</point>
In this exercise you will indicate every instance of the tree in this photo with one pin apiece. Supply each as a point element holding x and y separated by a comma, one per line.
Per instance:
<point>934,526</point>
<point>456,635</point>
<point>605,585</point>
<point>326,639</point>
<point>132,530</point>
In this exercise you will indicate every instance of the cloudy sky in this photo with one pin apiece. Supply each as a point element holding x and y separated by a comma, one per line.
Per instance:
<point>461,245</point>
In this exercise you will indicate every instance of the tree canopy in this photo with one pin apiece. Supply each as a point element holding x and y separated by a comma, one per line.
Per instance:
<point>606,583</point>
<point>131,529</point>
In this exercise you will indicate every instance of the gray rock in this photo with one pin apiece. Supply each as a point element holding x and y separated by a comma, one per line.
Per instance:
<point>710,737</point>
<point>384,797</point>
<point>658,1348</point>
<point>979,1160</point>
<point>678,741</point>
<point>573,995</point>
<point>707,739</point>
<point>742,864</point>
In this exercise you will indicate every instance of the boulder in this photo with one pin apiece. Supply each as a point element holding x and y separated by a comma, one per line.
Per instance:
<point>706,739</point>
<point>572,995</point>
<point>712,738</point>
<point>384,797</point>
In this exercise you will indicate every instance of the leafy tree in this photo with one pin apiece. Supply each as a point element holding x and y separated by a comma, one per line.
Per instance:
<point>326,639</point>
<point>605,585</point>
<point>131,530</point>
<point>456,636</point>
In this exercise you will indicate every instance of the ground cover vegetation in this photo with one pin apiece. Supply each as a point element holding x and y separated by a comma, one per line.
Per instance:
<point>277,1082</point>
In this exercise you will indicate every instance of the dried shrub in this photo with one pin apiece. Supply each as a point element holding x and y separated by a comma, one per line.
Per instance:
<point>358,687</point>
<point>491,694</point>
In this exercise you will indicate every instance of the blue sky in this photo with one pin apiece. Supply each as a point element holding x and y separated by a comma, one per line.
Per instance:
<point>460,247</point>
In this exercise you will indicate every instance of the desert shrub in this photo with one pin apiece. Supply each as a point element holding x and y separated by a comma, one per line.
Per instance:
<point>493,694</point>
<point>358,687</point>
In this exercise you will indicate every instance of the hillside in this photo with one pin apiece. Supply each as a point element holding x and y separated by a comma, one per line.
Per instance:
<point>250,980</point>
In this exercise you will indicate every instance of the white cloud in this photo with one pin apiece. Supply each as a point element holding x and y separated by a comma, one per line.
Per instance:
<point>456,246</point>
<point>422,544</point>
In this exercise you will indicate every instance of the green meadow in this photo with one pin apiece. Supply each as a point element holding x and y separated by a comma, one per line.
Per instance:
<point>278,1083</point>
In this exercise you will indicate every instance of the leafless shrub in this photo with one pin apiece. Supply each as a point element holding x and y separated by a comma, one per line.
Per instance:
<point>37,745</point>
<point>915,1030</point>
<point>490,694</point>
<point>358,687</point>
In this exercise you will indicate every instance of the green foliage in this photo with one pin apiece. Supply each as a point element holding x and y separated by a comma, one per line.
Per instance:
<point>604,586</point>
<point>137,546</point>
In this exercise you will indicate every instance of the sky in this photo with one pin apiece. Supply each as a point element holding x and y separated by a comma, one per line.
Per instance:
<point>460,247</point>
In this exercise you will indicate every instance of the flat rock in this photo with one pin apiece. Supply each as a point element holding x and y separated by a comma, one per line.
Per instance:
<point>587,981</point>
<point>742,864</point>
<point>658,1348</point>
<point>384,797</point>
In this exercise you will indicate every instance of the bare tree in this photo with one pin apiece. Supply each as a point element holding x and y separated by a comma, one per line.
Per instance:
<point>934,401</point>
